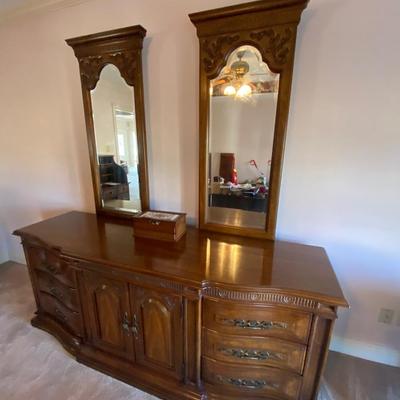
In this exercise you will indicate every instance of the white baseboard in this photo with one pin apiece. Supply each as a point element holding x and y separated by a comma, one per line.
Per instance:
<point>367,351</point>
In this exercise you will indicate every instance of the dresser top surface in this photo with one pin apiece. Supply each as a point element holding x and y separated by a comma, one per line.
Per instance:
<point>198,258</point>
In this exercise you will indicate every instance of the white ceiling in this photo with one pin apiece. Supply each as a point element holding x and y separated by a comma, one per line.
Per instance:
<point>13,8</point>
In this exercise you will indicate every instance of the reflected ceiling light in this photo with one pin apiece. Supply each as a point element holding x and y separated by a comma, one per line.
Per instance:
<point>229,91</point>
<point>244,90</point>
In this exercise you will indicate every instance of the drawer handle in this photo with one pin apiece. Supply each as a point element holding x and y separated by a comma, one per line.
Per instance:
<point>56,293</point>
<point>251,324</point>
<point>60,314</point>
<point>126,324</point>
<point>155,222</point>
<point>247,383</point>
<point>135,326</point>
<point>253,354</point>
<point>51,268</point>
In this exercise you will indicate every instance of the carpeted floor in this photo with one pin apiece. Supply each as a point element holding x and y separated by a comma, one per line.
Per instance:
<point>33,365</point>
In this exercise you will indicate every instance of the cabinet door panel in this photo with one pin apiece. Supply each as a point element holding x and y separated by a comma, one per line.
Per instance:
<point>158,338</point>
<point>108,311</point>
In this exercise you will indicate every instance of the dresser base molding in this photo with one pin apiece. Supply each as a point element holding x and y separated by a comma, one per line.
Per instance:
<point>70,343</point>
<point>163,390</point>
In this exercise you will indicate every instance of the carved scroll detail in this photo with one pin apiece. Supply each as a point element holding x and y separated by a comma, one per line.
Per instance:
<point>91,67</point>
<point>260,297</point>
<point>275,43</point>
<point>214,50</point>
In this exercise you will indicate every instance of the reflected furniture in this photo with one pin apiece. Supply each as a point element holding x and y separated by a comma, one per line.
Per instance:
<point>212,316</point>
<point>113,179</point>
<point>113,60</point>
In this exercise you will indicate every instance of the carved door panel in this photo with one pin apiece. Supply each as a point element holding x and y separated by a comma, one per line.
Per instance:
<point>108,315</point>
<point>158,331</point>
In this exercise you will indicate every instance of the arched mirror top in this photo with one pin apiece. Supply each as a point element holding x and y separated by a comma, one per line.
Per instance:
<point>120,47</point>
<point>245,74</point>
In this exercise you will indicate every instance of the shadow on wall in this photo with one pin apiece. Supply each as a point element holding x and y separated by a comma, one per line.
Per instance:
<point>4,256</point>
<point>369,278</point>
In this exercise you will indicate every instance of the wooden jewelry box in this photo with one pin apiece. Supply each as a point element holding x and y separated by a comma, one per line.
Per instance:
<point>160,225</point>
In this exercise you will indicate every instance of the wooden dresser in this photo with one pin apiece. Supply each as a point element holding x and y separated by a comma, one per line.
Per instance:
<point>212,316</point>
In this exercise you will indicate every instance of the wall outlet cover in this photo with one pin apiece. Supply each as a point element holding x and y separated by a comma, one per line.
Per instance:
<point>386,316</point>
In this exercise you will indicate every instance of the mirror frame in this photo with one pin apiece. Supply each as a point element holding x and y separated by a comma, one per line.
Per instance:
<point>271,27</point>
<point>123,49</point>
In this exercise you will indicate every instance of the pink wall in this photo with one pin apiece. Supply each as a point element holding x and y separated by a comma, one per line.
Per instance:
<point>341,178</point>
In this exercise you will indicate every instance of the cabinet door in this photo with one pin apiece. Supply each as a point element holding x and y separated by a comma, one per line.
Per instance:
<point>108,315</point>
<point>158,331</point>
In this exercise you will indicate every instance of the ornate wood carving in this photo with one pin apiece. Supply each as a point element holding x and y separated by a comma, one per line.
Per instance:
<point>91,67</point>
<point>276,43</point>
<point>215,52</point>
<point>260,297</point>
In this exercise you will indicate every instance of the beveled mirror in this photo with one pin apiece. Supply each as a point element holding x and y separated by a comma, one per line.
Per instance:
<point>112,87</point>
<point>246,66</point>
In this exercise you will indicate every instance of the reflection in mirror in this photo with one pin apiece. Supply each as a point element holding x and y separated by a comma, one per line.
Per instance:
<point>116,141</point>
<point>243,101</point>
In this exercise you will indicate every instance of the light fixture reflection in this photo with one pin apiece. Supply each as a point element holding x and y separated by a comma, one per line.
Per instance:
<point>244,90</point>
<point>229,91</point>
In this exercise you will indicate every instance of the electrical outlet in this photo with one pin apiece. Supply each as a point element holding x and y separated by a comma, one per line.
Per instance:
<point>386,316</point>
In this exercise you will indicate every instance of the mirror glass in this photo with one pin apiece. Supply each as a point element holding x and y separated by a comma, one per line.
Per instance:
<point>243,102</point>
<point>116,141</point>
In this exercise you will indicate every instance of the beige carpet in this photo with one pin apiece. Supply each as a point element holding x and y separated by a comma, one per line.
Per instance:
<point>33,365</point>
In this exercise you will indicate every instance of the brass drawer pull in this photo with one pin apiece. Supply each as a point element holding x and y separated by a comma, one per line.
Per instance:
<point>155,222</point>
<point>135,326</point>
<point>247,383</point>
<point>51,268</point>
<point>252,324</point>
<point>60,314</point>
<point>56,293</point>
<point>252,354</point>
<point>126,324</point>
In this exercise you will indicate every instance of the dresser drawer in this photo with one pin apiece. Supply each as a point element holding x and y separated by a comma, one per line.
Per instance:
<point>255,351</point>
<point>65,294</point>
<point>71,320</point>
<point>248,382</point>
<point>46,261</point>
<point>256,320</point>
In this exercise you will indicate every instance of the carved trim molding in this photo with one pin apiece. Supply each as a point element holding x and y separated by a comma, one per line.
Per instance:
<point>277,298</point>
<point>215,50</point>
<point>91,67</point>
<point>276,44</point>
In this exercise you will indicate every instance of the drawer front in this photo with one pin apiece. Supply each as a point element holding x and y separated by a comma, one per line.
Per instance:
<point>255,351</point>
<point>65,294</point>
<point>248,382</point>
<point>71,320</point>
<point>257,321</point>
<point>46,261</point>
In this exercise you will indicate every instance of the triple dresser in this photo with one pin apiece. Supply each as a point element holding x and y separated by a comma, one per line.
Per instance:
<point>212,316</point>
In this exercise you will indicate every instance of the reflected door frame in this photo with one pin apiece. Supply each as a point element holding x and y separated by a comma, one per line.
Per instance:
<point>116,108</point>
